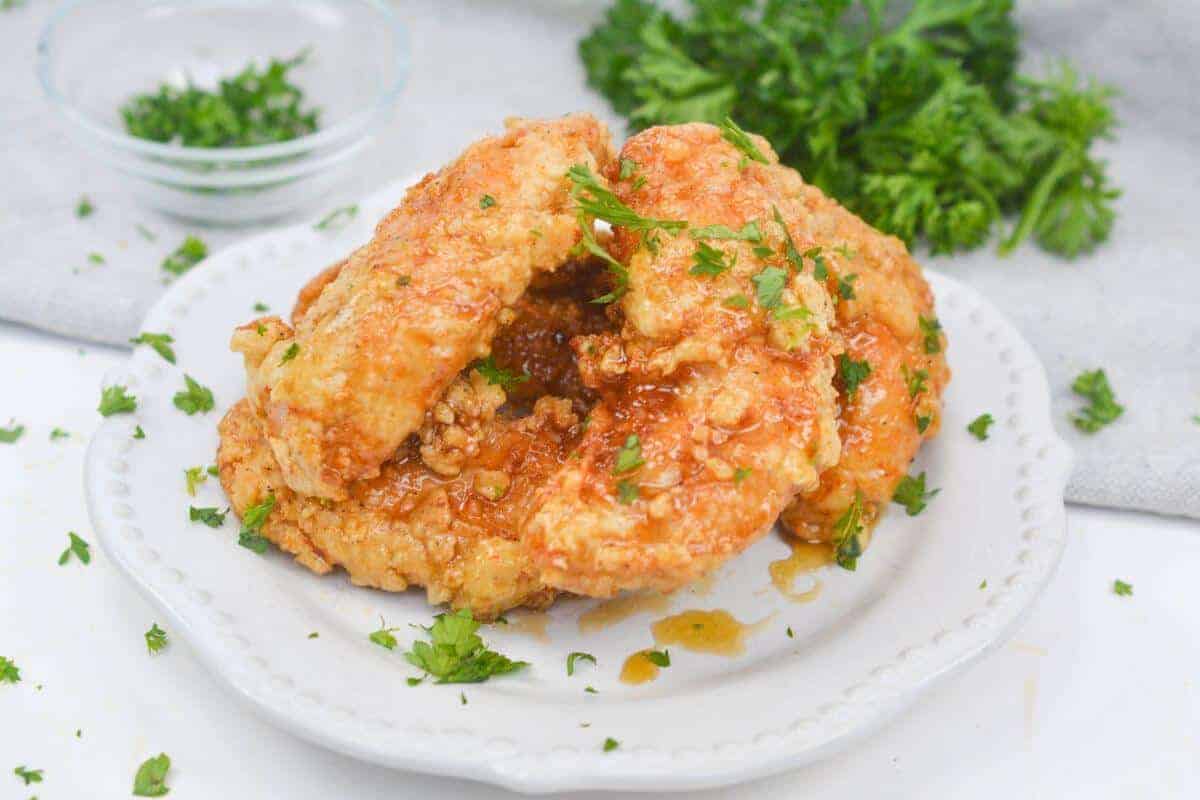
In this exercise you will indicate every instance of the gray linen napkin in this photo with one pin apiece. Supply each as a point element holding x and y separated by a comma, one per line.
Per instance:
<point>1133,307</point>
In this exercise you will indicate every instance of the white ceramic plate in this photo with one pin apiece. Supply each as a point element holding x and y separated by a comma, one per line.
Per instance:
<point>868,646</point>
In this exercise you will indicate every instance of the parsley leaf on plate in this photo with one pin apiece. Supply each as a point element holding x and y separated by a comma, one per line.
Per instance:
<point>28,775</point>
<point>1102,408</point>
<point>194,397</point>
<point>161,342</point>
<point>1122,588</point>
<point>659,658</point>
<point>209,516</point>
<point>261,307</point>
<point>150,780</point>
<point>55,434</point>
<point>78,547</point>
<point>10,434</point>
<point>911,494</point>
<point>193,477</point>
<point>384,637</point>
<point>138,433</point>
<point>456,654</point>
<point>250,536</point>
<point>156,639</point>
<point>84,208</point>
<point>611,744</point>
<point>578,656</point>
<point>979,426</point>
<point>9,671</point>
<point>115,400</point>
<point>190,253</point>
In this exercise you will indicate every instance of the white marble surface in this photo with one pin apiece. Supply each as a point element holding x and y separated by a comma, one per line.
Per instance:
<point>1095,698</point>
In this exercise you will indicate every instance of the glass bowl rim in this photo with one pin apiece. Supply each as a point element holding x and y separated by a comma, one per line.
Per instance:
<point>353,125</point>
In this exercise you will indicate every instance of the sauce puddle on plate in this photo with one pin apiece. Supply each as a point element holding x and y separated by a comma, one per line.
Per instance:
<point>610,612</point>
<point>532,623</point>
<point>638,668</point>
<point>806,557</point>
<point>714,632</point>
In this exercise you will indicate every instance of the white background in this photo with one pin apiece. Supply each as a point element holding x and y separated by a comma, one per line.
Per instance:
<point>1096,697</point>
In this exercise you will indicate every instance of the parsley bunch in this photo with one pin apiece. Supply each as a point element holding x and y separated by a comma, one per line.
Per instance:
<point>456,654</point>
<point>918,124</point>
<point>255,107</point>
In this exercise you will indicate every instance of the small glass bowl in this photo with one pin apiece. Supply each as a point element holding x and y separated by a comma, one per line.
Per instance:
<point>94,55</point>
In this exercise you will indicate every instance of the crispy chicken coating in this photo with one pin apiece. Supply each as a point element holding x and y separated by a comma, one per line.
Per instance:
<point>713,413</point>
<point>406,313</point>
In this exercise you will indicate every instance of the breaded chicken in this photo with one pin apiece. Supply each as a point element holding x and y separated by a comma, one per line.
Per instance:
<point>407,312</point>
<point>717,402</point>
<point>888,321</point>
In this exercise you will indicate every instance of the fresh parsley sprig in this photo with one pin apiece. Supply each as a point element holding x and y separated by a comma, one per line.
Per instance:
<point>456,654</point>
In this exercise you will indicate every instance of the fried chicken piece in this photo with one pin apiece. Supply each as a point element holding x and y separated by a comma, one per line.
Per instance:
<point>713,414</point>
<point>386,336</point>
<point>888,321</point>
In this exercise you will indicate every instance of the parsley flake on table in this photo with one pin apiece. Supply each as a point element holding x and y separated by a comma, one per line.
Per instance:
<point>627,492</point>
<point>78,547</point>
<point>852,373</point>
<point>486,202</point>
<point>161,342</point>
<point>629,457</point>
<point>193,477</point>
<point>578,656</point>
<point>456,654</point>
<point>1122,588</point>
<point>911,494</point>
<point>150,779</point>
<point>768,286</point>
<point>209,516</point>
<point>259,105</point>
<point>710,262</point>
<point>250,536</point>
<point>10,434</point>
<point>156,639</point>
<point>737,137</point>
<point>611,744</point>
<point>115,400</point>
<point>337,219</point>
<point>915,379</point>
<point>84,208</point>
<point>1102,408</point>
<point>497,376</point>
<point>9,671</point>
<point>846,531</point>
<point>659,658</point>
<point>748,233</point>
<point>932,331</point>
<point>186,256</point>
<point>55,434</point>
<point>194,397</point>
<point>28,775</point>
<point>979,426</point>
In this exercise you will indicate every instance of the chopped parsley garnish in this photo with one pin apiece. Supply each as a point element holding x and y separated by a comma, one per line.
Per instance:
<point>611,744</point>
<point>84,208</point>
<point>629,457</point>
<point>845,286</point>
<point>748,233</point>
<point>784,313</point>
<point>628,168</point>
<point>77,547</point>
<point>151,777</point>
<point>257,106</point>
<point>384,637</point>
<point>762,252</point>
<point>789,246</point>
<point>627,492</point>
<point>55,434</point>
<point>487,201</point>
<point>193,477</point>
<point>659,658</point>
<point>96,258</point>
<point>10,434</point>
<point>852,373</point>
<point>9,671</point>
<point>931,329</point>
<point>911,494</point>
<point>146,233</point>
<point>846,531</point>
<point>768,286</point>
<point>820,268</point>
<point>462,697</point>
<point>161,342</point>
<point>194,398</point>
<point>737,137</point>
<point>1122,588</point>
<point>983,584</point>
<point>209,516</point>
<point>415,681</point>
<point>1102,408</point>
<point>186,256</point>
<point>292,350</point>
<point>709,261</point>
<point>979,426</point>
<point>790,633</point>
<point>496,376</point>
<point>616,269</point>
<point>590,690</point>
<point>156,639</point>
<point>261,308</point>
<point>114,400</point>
<point>741,473</point>
<point>337,219</point>
<point>915,379</point>
<point>250,536</point>
<point>598,202</point>
<point>212,470</point>
<point>28,775</point>
<point>736,301</point>
<point>314,635</point>
<point>456,654</point>
<point>138,433</point>
<point>578,656</point>
<point>923,421</point>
